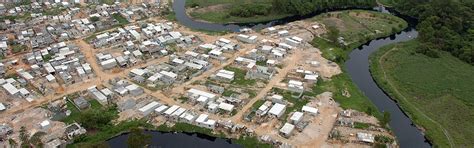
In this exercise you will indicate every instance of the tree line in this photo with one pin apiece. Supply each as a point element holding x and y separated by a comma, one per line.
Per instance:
<point>446,25</point>
<point>296,7</point>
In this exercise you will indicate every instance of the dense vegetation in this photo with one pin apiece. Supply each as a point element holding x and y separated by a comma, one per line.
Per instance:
<point>303,7</point>
<point>225,11</point>
<point>438,89</point>
<point>446,25</point>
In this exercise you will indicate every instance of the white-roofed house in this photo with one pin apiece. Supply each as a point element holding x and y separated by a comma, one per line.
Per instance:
<point>277,110</point>
<point>147,109</point>
<point>287,130</point>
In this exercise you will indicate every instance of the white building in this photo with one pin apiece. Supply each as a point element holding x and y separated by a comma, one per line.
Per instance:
<point>147,109</point>
<point>287,130</point>
<point>277,110</point>
<point>296,117</point>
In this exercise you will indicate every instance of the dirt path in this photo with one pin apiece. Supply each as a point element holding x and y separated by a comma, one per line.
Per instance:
<point>290,65</point>
<point>390,83</point>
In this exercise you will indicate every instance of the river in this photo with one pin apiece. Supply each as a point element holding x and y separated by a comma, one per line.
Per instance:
<point>357,67</point>
<point>177,140</point>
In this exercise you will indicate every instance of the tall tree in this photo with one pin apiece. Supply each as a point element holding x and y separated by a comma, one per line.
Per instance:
<point>138,139</point>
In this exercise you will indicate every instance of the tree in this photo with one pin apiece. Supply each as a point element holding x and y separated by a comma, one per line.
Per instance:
<point>94,19</point>
<point>333,34</point>
<point>97,118</point>
<point>138,139</point>
<point>12,142</point>
<point>385,119</point>
<point>24,137</point>
<point>35,140</point>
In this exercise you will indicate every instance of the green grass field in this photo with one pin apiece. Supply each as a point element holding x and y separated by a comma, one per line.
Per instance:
<point>357,27</point>
<point>440,88</point>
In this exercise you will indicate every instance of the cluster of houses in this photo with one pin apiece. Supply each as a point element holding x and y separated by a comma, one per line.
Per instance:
<point>177,70</point>
<point>275,108</point>
<point>59,61</point>
<point>147,37</point>
<point>62,24</point>
<point>211,102</point>
<point>177,113</point>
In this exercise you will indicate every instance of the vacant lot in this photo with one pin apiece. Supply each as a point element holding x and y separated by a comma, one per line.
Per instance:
<point>440,88</point>
<point>356,27</point>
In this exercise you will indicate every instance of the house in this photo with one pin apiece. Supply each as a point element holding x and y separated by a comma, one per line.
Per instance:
<point>287,130</point>
<point>195,94</point>
<point>212,107</point>
<point>96,94</point>
<point>81,103</point>
<point>225,75</point>
<point>170,110</point>
<point>108,64</point>
<point>134,90</point>
<point>203,121</point>
<point>226,107</point>
<point>277,99</point>
<point>246,38</point>
<point>168,77</point>
<point>365,137</point>
<point>147,109</point>
<point>73,130</point>
<point>260,72</point>
<point>188,117</point>
<point>12,90</point>
<point>175,115</point>
<point>277,110</point>
<point>296,117</point>
<point>295,86</point>
<point>262,110</point>
<point>161,109</point>
<point>126,104</point>
<point>283,33</point>
<point>310,110</point>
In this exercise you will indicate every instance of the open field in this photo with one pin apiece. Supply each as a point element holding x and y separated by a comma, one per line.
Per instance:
<point>356,27</point>
<point>440,88</point>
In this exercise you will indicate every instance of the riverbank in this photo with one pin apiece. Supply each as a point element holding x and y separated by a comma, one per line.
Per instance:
<point>100,138</point>
<point>219,11</point>
<point>355,27</point>
<point>351,24</point>
<point>435,92</point>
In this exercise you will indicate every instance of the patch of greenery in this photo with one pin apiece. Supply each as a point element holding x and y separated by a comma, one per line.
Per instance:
<point>47,57</point>
<point>358,27</point>
<point>438,88</point>
<point>102,135</point>
<point>19,48</point>
<point>228,93</point>
<point>189,128</point>
<point>74,113</point>
<point>246,141</point>
<point>361,125</point>
<point>340,83</point>
<point>120,18</point>
<point>239,77</point>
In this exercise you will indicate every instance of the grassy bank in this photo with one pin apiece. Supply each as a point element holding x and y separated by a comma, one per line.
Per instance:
<point>440,88</point>
<point>356,27</point>
<point>219,11</point>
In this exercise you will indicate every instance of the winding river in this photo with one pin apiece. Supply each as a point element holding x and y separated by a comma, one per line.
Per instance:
<point>357,67</point>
